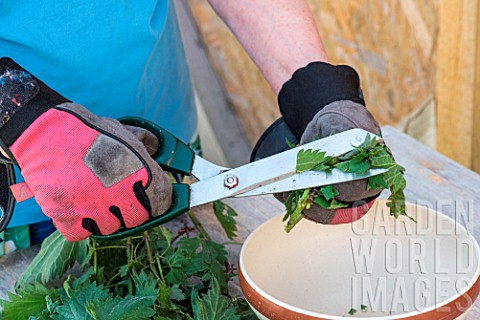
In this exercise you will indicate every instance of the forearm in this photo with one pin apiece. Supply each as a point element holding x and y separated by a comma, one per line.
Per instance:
<point>279,35</point>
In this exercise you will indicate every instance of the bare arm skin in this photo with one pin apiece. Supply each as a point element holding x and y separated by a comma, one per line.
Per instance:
<point>279,35</point>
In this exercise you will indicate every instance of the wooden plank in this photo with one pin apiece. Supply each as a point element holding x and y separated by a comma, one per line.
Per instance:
<point>12,266</point>
<point>457,82</point>
<point>416,21</point>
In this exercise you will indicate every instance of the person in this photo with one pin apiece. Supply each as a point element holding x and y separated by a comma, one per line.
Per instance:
<point>77,66</point>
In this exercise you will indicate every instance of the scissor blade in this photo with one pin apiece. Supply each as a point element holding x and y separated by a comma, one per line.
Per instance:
<point>310,179</point>
<point>269,170</point>
<point>203,169</point>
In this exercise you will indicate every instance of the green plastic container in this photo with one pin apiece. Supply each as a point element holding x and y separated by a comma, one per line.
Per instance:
<point>15,238</point>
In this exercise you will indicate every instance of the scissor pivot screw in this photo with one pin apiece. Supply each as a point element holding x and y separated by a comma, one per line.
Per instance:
<point>231,181</point>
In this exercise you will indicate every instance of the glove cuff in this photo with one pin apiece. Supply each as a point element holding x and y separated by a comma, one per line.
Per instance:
<point>23,98</point>
<point>313,87</point>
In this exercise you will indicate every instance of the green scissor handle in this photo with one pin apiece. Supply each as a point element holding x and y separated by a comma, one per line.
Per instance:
<point>173,155</point>
<point>180,205</point>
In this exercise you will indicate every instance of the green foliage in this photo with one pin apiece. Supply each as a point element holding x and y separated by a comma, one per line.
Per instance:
<point>138,306</point>
<point>370,154</point>
<point>312,160</point>
<point>295,204</point>
<point>214,306</point>
<point>329,192</point>
<point>54,259</point>
<point>74,302</point>
<point>30,301</point>
<point>154,276</point>
<point>225,214</point>
<point>290,144</point>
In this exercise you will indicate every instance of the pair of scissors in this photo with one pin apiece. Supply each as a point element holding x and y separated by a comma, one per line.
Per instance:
<point>273,174</point>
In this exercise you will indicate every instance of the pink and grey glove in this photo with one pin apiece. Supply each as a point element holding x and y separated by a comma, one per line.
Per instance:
<point>89,174</point>
<point>318,101</point>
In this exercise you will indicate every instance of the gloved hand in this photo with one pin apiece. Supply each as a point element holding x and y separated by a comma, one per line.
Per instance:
<point>318,101</point>
<point>89,174</point>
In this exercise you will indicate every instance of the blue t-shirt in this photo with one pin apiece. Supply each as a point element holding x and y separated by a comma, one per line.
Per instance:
<point>116,58</point>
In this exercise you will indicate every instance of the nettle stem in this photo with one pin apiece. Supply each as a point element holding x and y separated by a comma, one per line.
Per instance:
<point>129,249</point>
<point>146,239</point>
<point>95,257</point>
<point>198,225</point>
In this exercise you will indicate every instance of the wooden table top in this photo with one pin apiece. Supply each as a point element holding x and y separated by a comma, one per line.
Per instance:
<point>432,179</point>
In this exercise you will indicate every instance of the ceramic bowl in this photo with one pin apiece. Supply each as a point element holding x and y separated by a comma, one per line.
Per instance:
<point>378,267</point>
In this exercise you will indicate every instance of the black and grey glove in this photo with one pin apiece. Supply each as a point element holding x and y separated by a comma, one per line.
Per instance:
<point>318,101</point>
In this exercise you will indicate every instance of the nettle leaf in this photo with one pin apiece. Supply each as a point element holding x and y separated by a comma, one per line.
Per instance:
<point>370,154</point>
<point>322,202</point>
<point>180,259</point>
<point>308,159</point>
<point>394,179</point>
<point>322,167</point>
<point>382,160</point>
<point>329,192</point>
<point>56,256</point>
<point>214,306</point>
<point>377,182</point>
<point>225,214</point>
<point>358,164</point>
<point>164,296</point>
<point>208,264</point>
<point>30,301</point>
<point>290,144</point>
<point>145,285</point>
<point>176,293</point>
<point>326,198</point>
<point>189,245</point>
<point>343,166</point>
<point>244,310</point>
<point>337,204</point>
<point>130,307</point>
<point>138,306</point>
<point>369,142</point>
<point>75,304</point>
<point>396,203</point>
